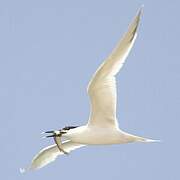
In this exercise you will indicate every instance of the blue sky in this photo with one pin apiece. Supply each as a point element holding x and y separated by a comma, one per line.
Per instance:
<point>50,49</point>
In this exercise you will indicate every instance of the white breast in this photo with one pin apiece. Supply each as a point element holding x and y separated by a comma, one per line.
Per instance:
<point>95,135</point>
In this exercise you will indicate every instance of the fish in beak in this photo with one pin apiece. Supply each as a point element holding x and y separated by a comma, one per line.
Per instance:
<point>57,139</point>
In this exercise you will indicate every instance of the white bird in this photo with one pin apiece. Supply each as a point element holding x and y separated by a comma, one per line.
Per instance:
<point>102,127</point>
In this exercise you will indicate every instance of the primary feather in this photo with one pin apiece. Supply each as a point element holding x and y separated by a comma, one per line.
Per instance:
<point>49,154</point>
<point>102,87</point>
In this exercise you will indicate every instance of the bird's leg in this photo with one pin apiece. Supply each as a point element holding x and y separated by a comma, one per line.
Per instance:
<point>57,139</point>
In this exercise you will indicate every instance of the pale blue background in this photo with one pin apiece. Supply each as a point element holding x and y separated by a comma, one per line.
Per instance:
<point>48,51</point>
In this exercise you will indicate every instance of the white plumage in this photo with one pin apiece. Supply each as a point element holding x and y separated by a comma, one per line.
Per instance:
<point>49,154</point>
<point>102,127</point>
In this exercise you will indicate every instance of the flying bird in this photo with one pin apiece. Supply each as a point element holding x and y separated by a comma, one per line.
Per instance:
<point>102,127</point>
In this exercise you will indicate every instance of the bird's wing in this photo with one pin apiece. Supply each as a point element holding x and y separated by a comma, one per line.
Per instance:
<point>49,154</point>
<point>102,87</point>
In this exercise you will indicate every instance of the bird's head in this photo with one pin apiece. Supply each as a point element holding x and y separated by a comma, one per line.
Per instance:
<point>60,132</point>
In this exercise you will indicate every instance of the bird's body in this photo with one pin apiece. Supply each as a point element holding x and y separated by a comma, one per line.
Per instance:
<point>102,127</point>
<point>94,135</point>
<point>99,136</point>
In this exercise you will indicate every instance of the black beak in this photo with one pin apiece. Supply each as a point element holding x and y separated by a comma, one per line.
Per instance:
<point>49,132</point>
<point>54,134</point>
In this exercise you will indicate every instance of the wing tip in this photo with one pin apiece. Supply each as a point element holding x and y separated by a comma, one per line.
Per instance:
<point>25,169</point>
<point>22,170</point>
<point>140,12</point>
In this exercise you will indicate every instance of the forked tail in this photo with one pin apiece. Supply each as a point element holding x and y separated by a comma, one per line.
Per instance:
<point>146,140</point>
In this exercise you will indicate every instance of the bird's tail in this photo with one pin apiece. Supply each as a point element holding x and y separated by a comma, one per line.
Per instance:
<point>146,140</point>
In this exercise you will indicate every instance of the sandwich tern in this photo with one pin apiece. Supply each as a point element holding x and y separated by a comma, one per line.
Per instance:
<point>102,127</point>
